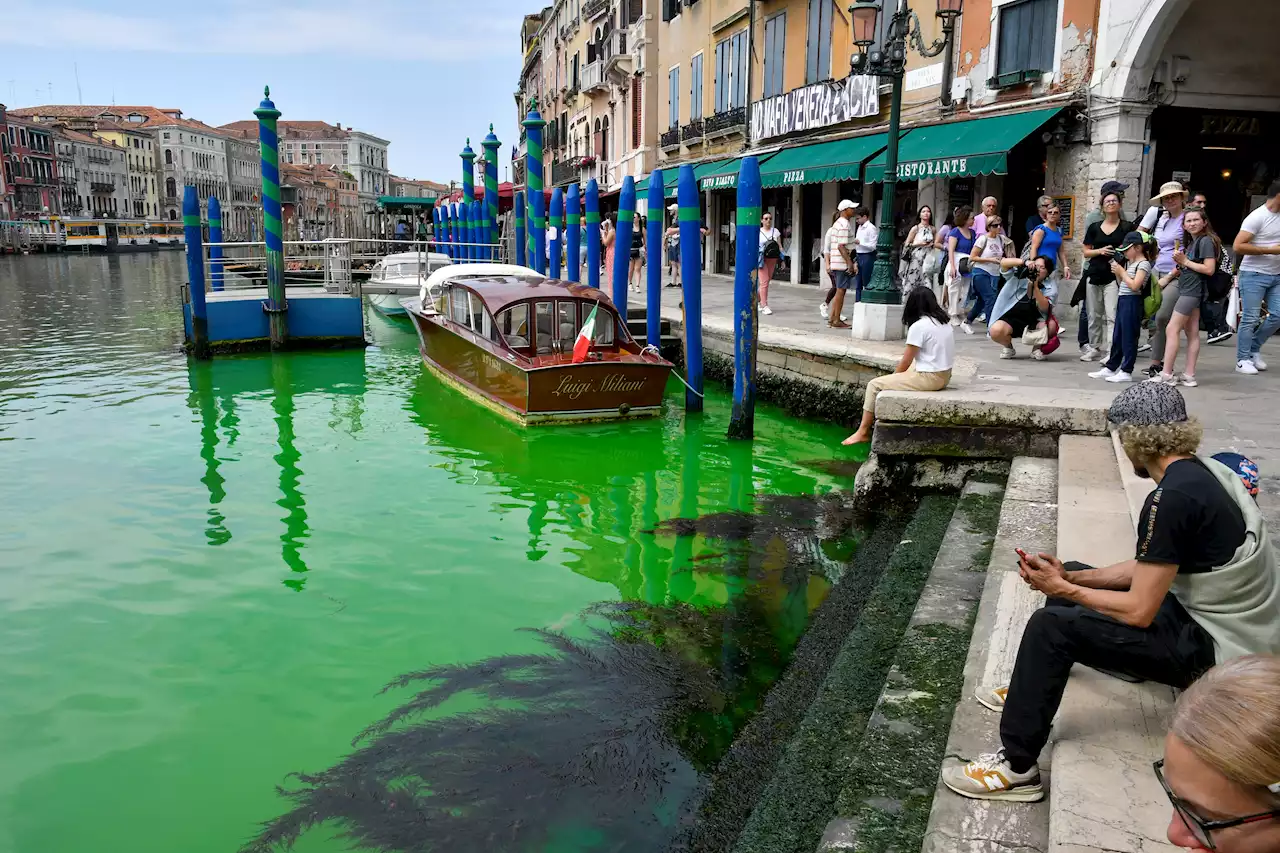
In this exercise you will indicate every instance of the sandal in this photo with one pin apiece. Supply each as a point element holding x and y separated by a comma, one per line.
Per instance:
<point>840,325</point>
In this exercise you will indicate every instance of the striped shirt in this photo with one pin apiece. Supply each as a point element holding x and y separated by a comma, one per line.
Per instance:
<point>839,235</point>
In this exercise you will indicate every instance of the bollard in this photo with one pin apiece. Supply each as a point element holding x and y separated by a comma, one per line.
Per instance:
<point>468,231</point>
<point>653,304</point>
<point>533,125</point>
<point>195,272</point>
<point>477,230</point>
<point>276,305</point>
<point>455,231</point>
<point>490,144</point>
<point>622,245</point>
<point>518,206</point>
<point>215,238</point>
<point>691,273</point>
<point>746,320</point>
<point>593,234</point>
<point>557,224</point>
<point>468,196</point>
<point>573,234</point>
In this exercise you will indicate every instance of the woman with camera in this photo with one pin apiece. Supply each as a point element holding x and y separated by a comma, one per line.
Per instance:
<point>1024,301</point>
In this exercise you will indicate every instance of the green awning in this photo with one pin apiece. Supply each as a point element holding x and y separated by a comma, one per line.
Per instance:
<point>822,162</point>
<point>960,149</point>
<point>405,201</point>
<point>671,176</point>
<point>721,175</point>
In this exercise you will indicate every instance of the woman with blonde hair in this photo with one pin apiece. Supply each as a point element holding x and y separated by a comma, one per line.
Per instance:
<point>1221,766</point>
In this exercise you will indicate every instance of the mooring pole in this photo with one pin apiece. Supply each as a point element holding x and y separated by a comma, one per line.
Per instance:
<point>557,223</point>
<point>479,231</point>
<point>593,234</point>
<point>533,125</point>
<point>518,207</point>
<point>690,214</point>
<point>195,272</point>
<point>653,294</point>
<point>622,245</point>
<point>437,230</point>
<point>469,229</point>
<point>215,238</point>
<point>455,233</point>
<point>468,196</point>
<point>746,320</point>
<point>573,233</point>
<point>276,306</point>
<point>491,145</point>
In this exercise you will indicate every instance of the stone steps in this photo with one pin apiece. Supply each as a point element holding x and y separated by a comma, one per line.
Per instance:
<point>1027,520</point>
<point>889,786</point>
<point>1104,796</point>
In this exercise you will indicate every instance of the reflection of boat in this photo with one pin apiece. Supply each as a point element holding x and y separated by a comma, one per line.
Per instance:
<point>504,336</point>
<point>402,274</point>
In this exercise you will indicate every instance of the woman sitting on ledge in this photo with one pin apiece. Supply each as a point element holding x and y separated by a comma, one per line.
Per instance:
<point>926,362</point>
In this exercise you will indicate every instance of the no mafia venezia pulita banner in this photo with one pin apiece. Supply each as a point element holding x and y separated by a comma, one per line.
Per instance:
<point>814,106</point>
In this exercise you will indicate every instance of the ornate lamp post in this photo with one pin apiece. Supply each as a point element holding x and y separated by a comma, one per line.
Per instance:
<point>871,315</point>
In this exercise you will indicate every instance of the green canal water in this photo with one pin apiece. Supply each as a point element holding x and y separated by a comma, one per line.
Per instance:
<point>209,573</point>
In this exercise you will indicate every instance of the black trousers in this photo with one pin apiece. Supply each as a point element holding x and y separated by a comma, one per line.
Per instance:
<point>1213,315</point>
<point>1174,650</point>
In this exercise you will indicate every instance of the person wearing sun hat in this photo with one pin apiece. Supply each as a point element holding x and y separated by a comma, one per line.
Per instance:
<point>1202,588</point>
<point>1165,224</point>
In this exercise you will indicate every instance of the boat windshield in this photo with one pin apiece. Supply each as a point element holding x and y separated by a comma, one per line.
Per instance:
<point>556,324</point>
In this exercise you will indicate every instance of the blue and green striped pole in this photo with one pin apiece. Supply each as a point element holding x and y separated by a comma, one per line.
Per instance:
<point>469,195</point>
<point>557,223</point>
<point>518,207</point>
<point>273,229</point>
<point>653,304</point>
<point>746,320</point>
<point>593,234</point>
<point>215,238</point>
<point>491,146</point>
<point>468,235</point>
<point>622,245</point>
<point>533,125</point>
<point>195,272</point>
<point>573,233</point>
<point>691,273</point>
<point>454,239</point>
<point>477,230</point>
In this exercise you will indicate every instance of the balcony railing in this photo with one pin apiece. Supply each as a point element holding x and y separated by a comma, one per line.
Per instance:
<point>593,76</point>
<point>169,199</point>
<point>564,172</point>
<point>99,158</point>
<point>671,139</point>
<point>692,131</point>
<point>615,49</point>
<point>102,187</point>
<point>594,7</point>
<point>729,121</point>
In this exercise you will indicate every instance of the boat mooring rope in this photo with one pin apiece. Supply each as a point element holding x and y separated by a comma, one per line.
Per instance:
<point>651,349</point>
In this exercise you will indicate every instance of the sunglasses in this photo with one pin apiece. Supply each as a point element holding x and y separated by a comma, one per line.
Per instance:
<point>1199,827</point>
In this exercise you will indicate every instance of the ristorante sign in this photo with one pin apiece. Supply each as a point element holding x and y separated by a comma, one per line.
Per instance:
<point>818,105</point>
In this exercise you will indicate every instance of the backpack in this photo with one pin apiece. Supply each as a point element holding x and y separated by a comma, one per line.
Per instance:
<point>771,249</point>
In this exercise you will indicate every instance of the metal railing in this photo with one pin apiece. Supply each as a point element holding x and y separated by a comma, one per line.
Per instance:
<point>671,138</point>
<point>692,131</point>
<point>729,121</point>
<point>593,76</point>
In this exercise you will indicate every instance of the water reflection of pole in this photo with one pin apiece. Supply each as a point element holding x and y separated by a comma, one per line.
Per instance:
<point>291,499</point>
<point>654,573</point>
<point>202,400</point>
<point>620,496</point>
<point>681,583</point>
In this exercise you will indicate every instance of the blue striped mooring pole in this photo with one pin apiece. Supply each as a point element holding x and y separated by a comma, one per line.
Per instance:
<point>557,224</point>
<point>746,320</point>
<point>518,207</point>
<point>593,234</point>
<point>276,307</point>
<point>691,274</point>
<point>478,231</point>
<point>622,245</point>
<point>195,272</point>
<point>653,293</point>
<point>215,239</point>
<point>573,233</point>
<point>491,146</point>
<point>533,125</point>
<point>468,196</point>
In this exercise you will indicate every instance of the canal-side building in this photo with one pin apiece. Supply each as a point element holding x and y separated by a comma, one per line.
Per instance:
<point>93,175</point>
<point>530,89</point>
<point>140,157</point>
<point>241,211</point>
<point>6,171</point>
<point>34,167</point>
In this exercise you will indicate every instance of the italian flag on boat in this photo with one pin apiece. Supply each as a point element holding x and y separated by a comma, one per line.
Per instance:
<point>583,344</point>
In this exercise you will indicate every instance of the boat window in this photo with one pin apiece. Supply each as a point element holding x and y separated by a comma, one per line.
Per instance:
<point>603,334</point>
<point>514,325</point>
<point>543,317</point>
<point>458,305</point>
<point>567,312</point>
<point>478,315</point>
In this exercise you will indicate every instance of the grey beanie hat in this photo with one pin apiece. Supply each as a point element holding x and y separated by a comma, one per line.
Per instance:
<point>1148,404</point>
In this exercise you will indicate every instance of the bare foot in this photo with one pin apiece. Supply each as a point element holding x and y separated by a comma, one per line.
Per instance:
<point>858,437</point>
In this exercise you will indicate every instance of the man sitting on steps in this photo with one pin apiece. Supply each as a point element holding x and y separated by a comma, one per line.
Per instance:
<point>1203,587</point>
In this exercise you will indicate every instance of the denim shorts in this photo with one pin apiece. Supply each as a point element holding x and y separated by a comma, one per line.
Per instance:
<point>845,279</point>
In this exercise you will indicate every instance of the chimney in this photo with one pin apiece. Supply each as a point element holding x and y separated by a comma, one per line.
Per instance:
<point>338,125</point>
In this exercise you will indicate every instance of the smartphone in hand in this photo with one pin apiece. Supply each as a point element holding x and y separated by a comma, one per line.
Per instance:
<point>1022,555</point>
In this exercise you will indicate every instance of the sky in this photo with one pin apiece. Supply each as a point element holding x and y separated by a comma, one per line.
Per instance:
<point>425,74</point>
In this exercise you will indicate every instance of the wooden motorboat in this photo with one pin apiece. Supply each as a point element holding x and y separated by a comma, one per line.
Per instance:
<point>504,336</point>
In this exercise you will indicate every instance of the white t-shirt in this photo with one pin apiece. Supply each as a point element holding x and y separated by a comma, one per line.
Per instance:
<point>770,234</point>
<point>1265,228</point>
<point>552,234</point>
<point>937,343</point>
<point>868,237</point>
<point>840,235</point>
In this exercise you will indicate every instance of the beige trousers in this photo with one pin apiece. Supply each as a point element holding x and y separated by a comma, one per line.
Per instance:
<point>1100,304</point>
<point>909,380</point>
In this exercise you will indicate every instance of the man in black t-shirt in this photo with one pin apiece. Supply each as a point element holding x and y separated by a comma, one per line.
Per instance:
<point>1127,619</point>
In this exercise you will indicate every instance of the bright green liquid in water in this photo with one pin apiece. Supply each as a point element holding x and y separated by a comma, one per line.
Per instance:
<point>208,572</point>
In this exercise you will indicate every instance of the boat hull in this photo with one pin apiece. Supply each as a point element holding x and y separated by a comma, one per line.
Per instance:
<point>387,303</point>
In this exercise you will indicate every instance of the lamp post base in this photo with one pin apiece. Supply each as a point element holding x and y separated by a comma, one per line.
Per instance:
<point>873,322</point>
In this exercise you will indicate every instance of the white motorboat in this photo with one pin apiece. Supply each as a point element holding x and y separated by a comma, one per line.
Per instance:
<point>402,274</point>
<point>428,296</point>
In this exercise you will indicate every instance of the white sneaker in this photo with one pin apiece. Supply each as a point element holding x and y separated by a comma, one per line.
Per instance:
<point>766,310</point>
<point>1120,376</point>
<point>1164,379</point>
<point>825,311</point>
<point>1104,373</point>
<point>993,700</point>
<point>991,778</point>
<point>1145,347</point>
<point>955,321</point>
<point>966,328</point>
<point>1247,367</point>
<point>1187,381</point>
<point>1258,362</point>
<point>1037,354</point>
<point>1089,353</point>
<point>1008,352</point>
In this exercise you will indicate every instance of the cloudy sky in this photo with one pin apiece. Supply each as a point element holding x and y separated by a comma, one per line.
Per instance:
<point>425,74</point>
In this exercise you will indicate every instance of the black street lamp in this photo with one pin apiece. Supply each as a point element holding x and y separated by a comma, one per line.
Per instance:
<point>891,61</point>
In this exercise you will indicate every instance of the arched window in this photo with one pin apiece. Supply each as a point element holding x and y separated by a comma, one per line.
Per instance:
<point>173,216</point>
<point>168,157</point>
<point>604,138</point>
<point>171,188</point>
